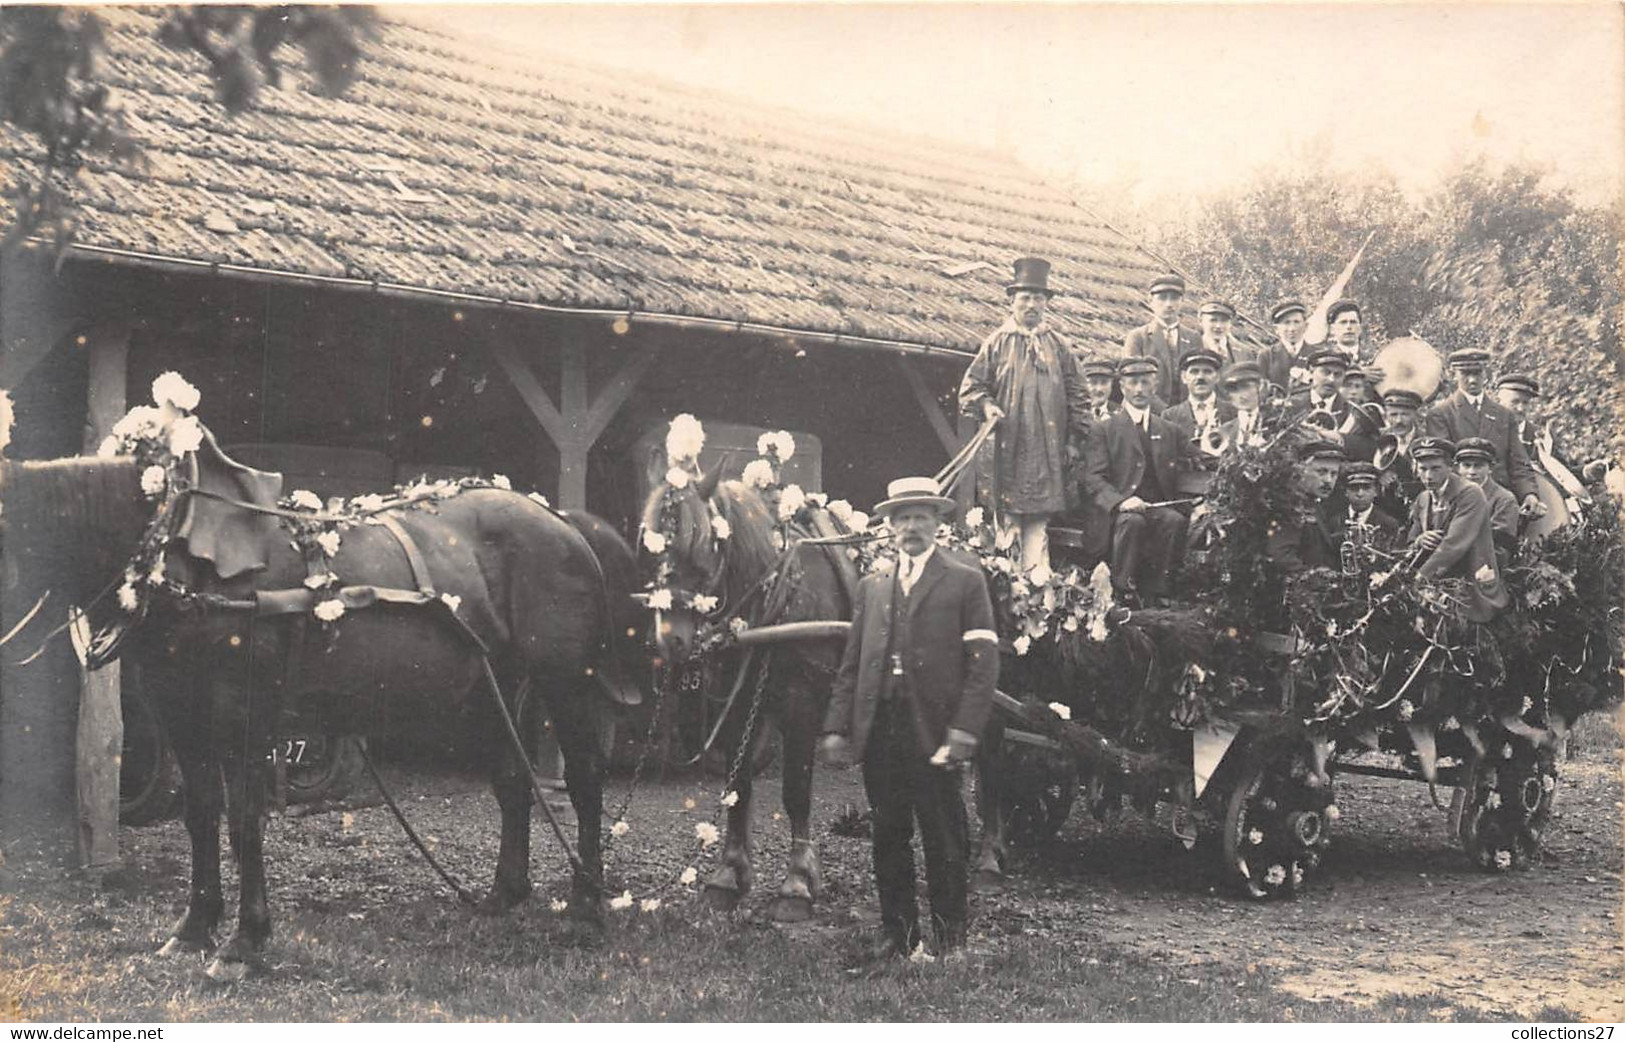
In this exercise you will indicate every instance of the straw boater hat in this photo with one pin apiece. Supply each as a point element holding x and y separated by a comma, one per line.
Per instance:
<point>905,492</point>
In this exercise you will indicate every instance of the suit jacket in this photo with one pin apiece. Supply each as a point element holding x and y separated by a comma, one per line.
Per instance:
<point>1455,419</point>
<point>1148,341</point>
<point>1297,544</point>
<point>1386,536</point>
<point>1115,464</point>
<point>1461,511</point>
<point>1183,417</point>
<point>1503,515</point>
<point>949,648</point>
<point>1278,364</point>
<point>1300,404</point>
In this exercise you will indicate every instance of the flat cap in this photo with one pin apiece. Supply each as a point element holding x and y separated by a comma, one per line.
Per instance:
<point>1340,306</point>
<point>1169,283</point>
<point>1138,367</point>
<point>1320,448</point>
<point>1469,358</point>
<point>1330,357</point>
<point>1216,307</point>
<point>1098,367</point>
<point>1481,449</point>
<point>1286,307</point>
<point>1241,372</point>
<point>1402,398</point>
<point>1200,354</point>
<point>1433,448</point>
<point>1520,382</point>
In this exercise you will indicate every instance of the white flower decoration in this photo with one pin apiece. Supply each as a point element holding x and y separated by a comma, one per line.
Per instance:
<point>153,480</point>
<point>859,521</point>
<point>141,421</point>
<point>622,903</point>
<point>185,435</point>
<point>689,876</point>
<point>1503,859</point>
<point>1061,709</point>
<point>305,499</point>
<point>660,600</point>
<point>1451,724</point>
<point>841,511</point>
<point>619,829</point>
<point>1097,628</point>
<point>316,582</point>
<point>329,542</point>
<point>370,503</point>
<point>1485,574</point>
<point>452,601</point>
<point>1255,837</point>
<point>109,447</point>
<point>758,474</point>
<point>721,528</point>
<point>777,442</point>
<point>1022,644</point>
<point>684,438</point>
<point>1528,704</point>
<point>650,904</point>
<point>704,603</point>
<point>1333,812</point>
<point>731,799</point>
<point>1406,710</point>
<point>706,833</point>
<point>919,954</point>
<point>1547,783</point>
<point>654,542</point>
<point>557,905</point>
<point>677,477</point>
<point>737,626</point>
<point>1493,801</point>
<point>501,481</point>
<point>1379,578</point>
<point>1040,574</point>
<point>127,598</point>
<point>330,610</point>
<point>791,500</point>
<point>171,388</point>
<point>155,575</point>
<point>1070,624</point>
<point>1275,876</point>
<point>973,517</point>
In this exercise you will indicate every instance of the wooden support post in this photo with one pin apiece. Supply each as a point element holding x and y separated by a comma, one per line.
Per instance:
<point>37,309</point>
<point>928,404</point>
<point>100,739</point>
<point>574,405</point>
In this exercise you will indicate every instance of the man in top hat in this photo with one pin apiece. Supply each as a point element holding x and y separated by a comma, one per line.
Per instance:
<point>1201,409</point>
<point>1132,462</point>
<point>1100,382</point>
<point>1475,461</point>
<point>1244,383</point>
<point>1163,338</point>
<point>1025,377</point>
<point>1324,393</point>
<point>1470,413</point>
<point>1343,327</point>
<point>912,696</point>
<point>1286,364</point>
<point>1310,540</point>
<point>1450,534</point>
<point>1399,484</point>
<point>1362,518</point>
<point>1217,318</point>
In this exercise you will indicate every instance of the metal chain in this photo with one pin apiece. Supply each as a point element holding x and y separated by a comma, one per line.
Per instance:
<point>662,686</point>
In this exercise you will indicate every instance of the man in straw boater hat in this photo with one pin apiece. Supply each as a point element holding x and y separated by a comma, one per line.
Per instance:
<point>910,701</point>
<point>1450,535</point>
<point>1163,339</point>
<point>1025,377</point>
<point>1471,413</point>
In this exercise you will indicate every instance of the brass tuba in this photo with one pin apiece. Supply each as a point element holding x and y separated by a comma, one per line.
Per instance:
<point>1387,451</point>
<point>1410,364</point>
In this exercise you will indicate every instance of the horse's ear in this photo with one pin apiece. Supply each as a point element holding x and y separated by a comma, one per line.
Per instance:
<point>707,486</point>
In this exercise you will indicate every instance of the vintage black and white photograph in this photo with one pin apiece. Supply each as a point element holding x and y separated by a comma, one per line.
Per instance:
<point>808,513</point>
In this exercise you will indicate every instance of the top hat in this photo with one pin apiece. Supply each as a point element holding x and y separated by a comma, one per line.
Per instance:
<point>1330,357</point>
<point>1340,306</point>
<point>1402,397</point>
<point>1432,448</point>
<point>1243,371</point>
<point>1520,382</point>
<point>1481,449</point>
<point>906,492</point>
<point>1287,307</point>
<point>1469,358</point>
<point>1216,307</point>
<point>1169,283</point>
<point>1200,354</point>
<point>1138,367</point>
<point>1031,273</point>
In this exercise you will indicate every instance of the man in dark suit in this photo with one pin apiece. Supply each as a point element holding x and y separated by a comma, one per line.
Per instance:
<point>1100,380</point>
<point>1163,338</point>
<point>1344,323</point>
<point>1253,422</point>
<point>1217,318</point>
<point>1470,413</point>
<point>1450,530</point>
<point>1131,463</point>
<point>1475,461</point>
<point>1400,484</point>
<point>1324,393</point>
<point>1288,354</point>
<point>1201,409</point>
<point>1361,520</point>
<point>911,698</point>
<point>1296,544</point>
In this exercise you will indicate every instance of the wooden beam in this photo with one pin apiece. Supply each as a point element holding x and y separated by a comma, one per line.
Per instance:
<point>530,389</point>
<point>616,391</point>
<point>100,738</point>
<point>928,404</point>
<point>575,406</point>
<point>37,310</point>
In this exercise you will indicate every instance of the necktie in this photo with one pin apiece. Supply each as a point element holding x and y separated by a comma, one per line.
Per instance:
<point>909,568</point>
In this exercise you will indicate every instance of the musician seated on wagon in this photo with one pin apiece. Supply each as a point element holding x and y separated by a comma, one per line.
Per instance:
<point>1324,393</point>
<point>1362,519</point>
<point>1309,539</point>
<point>1358,385</point>
<point>1399,485</point>
<point>1554,476</point>
<point>1100,381</point>
<point>1244,383</point>
<point>1475,461</point>
<point>1132,464</point>
<point>1202,409</point>
<point>1469,413</point>
<point>1450,535</point>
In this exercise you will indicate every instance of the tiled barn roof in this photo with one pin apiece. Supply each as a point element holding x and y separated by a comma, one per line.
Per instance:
<point>451,167</point>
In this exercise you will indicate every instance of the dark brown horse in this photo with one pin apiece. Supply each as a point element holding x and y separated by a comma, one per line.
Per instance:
<point>799,675</point>
<point>524,582</point>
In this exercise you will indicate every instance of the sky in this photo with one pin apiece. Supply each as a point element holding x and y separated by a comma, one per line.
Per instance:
<point>1158,100</point>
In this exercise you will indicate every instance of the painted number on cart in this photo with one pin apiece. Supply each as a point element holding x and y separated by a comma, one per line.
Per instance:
<point>290,751</point>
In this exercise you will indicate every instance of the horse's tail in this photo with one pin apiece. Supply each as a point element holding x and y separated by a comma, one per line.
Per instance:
<point>618,572</point>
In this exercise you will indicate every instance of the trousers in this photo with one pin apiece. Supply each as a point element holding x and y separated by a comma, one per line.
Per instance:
<point>1146,547</point>
<point>1034,529</point>
<point>904,788</point>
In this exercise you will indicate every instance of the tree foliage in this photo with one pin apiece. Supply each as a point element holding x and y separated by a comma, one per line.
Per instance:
<point>1493,257</point>
<point>52,90</point>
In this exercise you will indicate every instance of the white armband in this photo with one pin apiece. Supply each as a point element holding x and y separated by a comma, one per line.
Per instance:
<point>971,635</point>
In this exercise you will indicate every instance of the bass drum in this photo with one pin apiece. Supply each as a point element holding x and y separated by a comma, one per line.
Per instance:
<point>1557,511</point>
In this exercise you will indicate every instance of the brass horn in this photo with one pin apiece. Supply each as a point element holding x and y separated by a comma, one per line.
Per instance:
<point>1410,364</point>
<point>1322,421</point>
<point>1212,440</point>
<point>1387,451</point>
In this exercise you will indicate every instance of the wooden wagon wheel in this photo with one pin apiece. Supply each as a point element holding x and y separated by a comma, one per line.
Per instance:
<point>1037,791</point>
<point>1275,826</point>
<point>1500,810</point>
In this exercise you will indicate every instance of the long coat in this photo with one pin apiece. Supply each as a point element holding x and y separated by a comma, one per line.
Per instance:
<point>949,648</point>
<point>1034,378</point>
<point>1460,510</point>
<point>1149,341</point>
<point>1455,418</point>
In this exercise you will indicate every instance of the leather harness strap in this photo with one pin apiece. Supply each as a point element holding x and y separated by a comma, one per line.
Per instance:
<point>414,556</point>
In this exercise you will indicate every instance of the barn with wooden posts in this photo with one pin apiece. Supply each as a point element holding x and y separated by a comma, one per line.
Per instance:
<point>474,263</point>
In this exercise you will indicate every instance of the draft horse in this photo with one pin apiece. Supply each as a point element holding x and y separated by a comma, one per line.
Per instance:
<point>223,662</point>
<point>754,582</point>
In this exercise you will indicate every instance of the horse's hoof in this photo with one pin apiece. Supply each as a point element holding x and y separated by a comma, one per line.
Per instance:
<point>176,946</point>
<point>989,881</point>
<point>785,909</point>
<point>223,972</point>
<point>721,899</point>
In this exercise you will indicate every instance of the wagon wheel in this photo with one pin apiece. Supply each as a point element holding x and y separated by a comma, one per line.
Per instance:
<point>1275,826</point>
<point>149,781</point>
<point>327,768</point>
<point>1038,801</point>
<point>1501,808</point>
